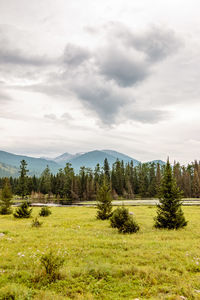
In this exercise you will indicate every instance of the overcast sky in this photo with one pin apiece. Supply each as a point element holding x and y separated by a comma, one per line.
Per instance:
<point>112,74</point>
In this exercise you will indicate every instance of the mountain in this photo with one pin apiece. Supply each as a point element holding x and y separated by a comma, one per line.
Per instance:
<point>66,157</point>
<point>160,162</point>
<point>90,159</point>
<point>9,163</point>
<point>7,170</point>
<point>61,158</point>
<point>35,165</point>
<point>122,156</point>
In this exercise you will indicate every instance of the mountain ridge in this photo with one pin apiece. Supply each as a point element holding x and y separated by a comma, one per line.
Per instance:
<point>9,162</point>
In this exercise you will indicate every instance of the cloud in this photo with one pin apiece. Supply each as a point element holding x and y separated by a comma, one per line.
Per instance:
<point>103,79</point>
<point>156,43</point>
<point>4,97</point>
<point>64,118</point>
<point>16,50</point>
<point>128,57</point>
<point>150,116</point>
<point>105,84</point>
<point>50,116</point>
<point>75,55</point>
<point>16,57</point>
<point>103,98</point>
<point>123,65</point>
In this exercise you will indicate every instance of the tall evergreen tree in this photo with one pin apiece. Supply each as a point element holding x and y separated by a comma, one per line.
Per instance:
<point>169,212</point>
<point>69,176</point>
<point>152,181</point>
<point>158,178</point>
<point>45,181</point>
<point>6,196</point>
<point>104,202</point>
<point>106,170</point>
<point>23,180</point>
<point>196,185</point>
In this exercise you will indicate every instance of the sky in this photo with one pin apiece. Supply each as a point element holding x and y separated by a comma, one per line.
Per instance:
<point>76,76</point>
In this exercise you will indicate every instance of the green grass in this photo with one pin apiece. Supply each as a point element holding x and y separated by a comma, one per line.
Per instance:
<point>99,262</point>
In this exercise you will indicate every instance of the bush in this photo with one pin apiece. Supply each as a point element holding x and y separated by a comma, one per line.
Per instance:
<point>23,211</point>
<point>123,221</point>
<point>45,212</point>
<point>36,223</point>
<point>52,263</point>
<point>5,210</point>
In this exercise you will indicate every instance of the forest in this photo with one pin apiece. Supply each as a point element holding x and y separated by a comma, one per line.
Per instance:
<point>126,181</point>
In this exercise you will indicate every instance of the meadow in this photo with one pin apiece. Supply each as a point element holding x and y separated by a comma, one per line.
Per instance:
<point>100,263</point>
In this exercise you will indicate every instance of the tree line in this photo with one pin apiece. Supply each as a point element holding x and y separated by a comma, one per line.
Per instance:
<point>125,181</point>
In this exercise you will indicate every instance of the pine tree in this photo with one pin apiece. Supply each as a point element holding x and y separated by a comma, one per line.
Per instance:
<point>104,202</point>
<point>106,169</point>
<point>69,176</point>
<point>152,181</point>
<point>6,196</point>
<point>196,185</point>
<point>169,213</point>
<point>45,181</point>
<point>158,178</point>
<point>23,180</point>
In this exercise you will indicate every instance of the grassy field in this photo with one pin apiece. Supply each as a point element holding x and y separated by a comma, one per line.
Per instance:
<point>99,262</point>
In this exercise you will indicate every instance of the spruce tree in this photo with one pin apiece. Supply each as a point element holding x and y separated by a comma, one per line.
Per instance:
<point>169,212</point>
<point>104,202</point>
<point>45,181</point>
<point>6,196</point>
<point>106,169</point>
<point>23,179</point>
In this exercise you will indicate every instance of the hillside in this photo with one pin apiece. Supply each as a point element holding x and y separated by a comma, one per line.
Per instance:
<point>90,159</point>
<point>122,156</point>
<point>7,170</point>
<point>35,165</point>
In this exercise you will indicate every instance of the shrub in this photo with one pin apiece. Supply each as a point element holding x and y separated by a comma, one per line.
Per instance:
<point>36,223</point>
<point>123,221</point>
<point>5,210</point>
<point>23,211</point>
<point>52,263</point>
<point>45,212</point>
